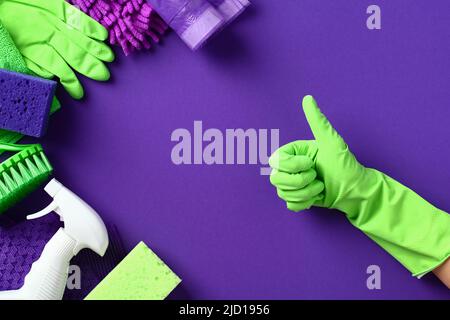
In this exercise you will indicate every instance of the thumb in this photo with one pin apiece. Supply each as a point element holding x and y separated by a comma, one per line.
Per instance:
<point>320,126</point>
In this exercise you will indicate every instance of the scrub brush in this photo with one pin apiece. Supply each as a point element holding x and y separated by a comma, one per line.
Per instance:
<point>22,173</point>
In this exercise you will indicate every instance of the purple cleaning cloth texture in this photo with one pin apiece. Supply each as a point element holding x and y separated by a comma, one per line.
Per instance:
<point>132,24</point>
<point>25,103</point>
<point>21,244</point>
<point>195,21</point>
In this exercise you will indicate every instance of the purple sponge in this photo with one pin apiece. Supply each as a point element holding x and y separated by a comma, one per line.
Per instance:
<point>25,102</point>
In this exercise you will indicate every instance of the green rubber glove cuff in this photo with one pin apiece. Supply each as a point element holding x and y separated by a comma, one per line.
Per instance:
<point>412,230</point>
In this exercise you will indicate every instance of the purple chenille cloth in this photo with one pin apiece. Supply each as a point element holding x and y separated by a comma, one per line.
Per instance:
<point>21,244</point>
<point>132,24</point>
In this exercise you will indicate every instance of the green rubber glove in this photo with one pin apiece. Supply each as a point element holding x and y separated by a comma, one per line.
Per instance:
<point>54,37</point>
<point>324,173</point>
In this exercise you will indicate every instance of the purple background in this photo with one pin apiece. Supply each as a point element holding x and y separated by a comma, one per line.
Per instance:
<point>222,228</point>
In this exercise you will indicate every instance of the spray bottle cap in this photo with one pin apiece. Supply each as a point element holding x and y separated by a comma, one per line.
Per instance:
<point>81,222</point>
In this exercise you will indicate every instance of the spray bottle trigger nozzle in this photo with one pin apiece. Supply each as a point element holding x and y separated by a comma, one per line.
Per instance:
<point>48,209</point>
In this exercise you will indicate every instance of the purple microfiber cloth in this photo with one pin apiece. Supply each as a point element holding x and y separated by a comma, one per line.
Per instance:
<point>131,23</point>
<point>21,244</point>
<point>25,103</point>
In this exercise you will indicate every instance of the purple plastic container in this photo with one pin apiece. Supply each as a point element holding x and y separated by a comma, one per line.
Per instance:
<point>230,9</point>
<point>193,20</point>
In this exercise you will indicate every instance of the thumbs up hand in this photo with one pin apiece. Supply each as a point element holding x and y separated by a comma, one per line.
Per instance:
<point>323,172</point>
<point>320,172</point>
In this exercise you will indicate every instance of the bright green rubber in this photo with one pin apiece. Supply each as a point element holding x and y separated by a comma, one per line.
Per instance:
<point>22,173</point>
<point>54,37</point>
<point>323,172</point>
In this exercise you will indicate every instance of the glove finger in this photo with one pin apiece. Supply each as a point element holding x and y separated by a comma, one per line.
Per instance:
<point>294,157</point>
<point>320,126</point>
<point>300,206</point>
<point>81,42</point>
<point>305,194</point>
<point>286,181</point>
<point>41,72</point>
<point>55,65</point>
<point>80,60</point>
<point>70,15</point>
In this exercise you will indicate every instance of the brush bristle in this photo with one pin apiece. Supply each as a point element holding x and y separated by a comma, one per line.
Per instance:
<point>22,174</point>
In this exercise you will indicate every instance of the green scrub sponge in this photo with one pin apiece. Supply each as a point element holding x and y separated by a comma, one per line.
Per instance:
<point>141,275</point>
<point>10,57</point>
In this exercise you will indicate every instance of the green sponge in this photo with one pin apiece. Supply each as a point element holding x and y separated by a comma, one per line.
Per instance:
<point>10,57</point>
<point>141,275</point>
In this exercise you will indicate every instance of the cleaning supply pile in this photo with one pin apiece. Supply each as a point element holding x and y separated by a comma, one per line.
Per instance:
<point>56,41</point>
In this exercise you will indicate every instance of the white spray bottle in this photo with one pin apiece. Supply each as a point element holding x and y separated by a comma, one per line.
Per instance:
<point>83,228</point>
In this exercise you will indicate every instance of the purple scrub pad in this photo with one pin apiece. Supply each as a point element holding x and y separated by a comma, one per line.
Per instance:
<point>25,102</point>
<point>132,24</point>
<point>230,9</point>
<point>22,242</point>
<point>193,20</point>
<point>20,245</point>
